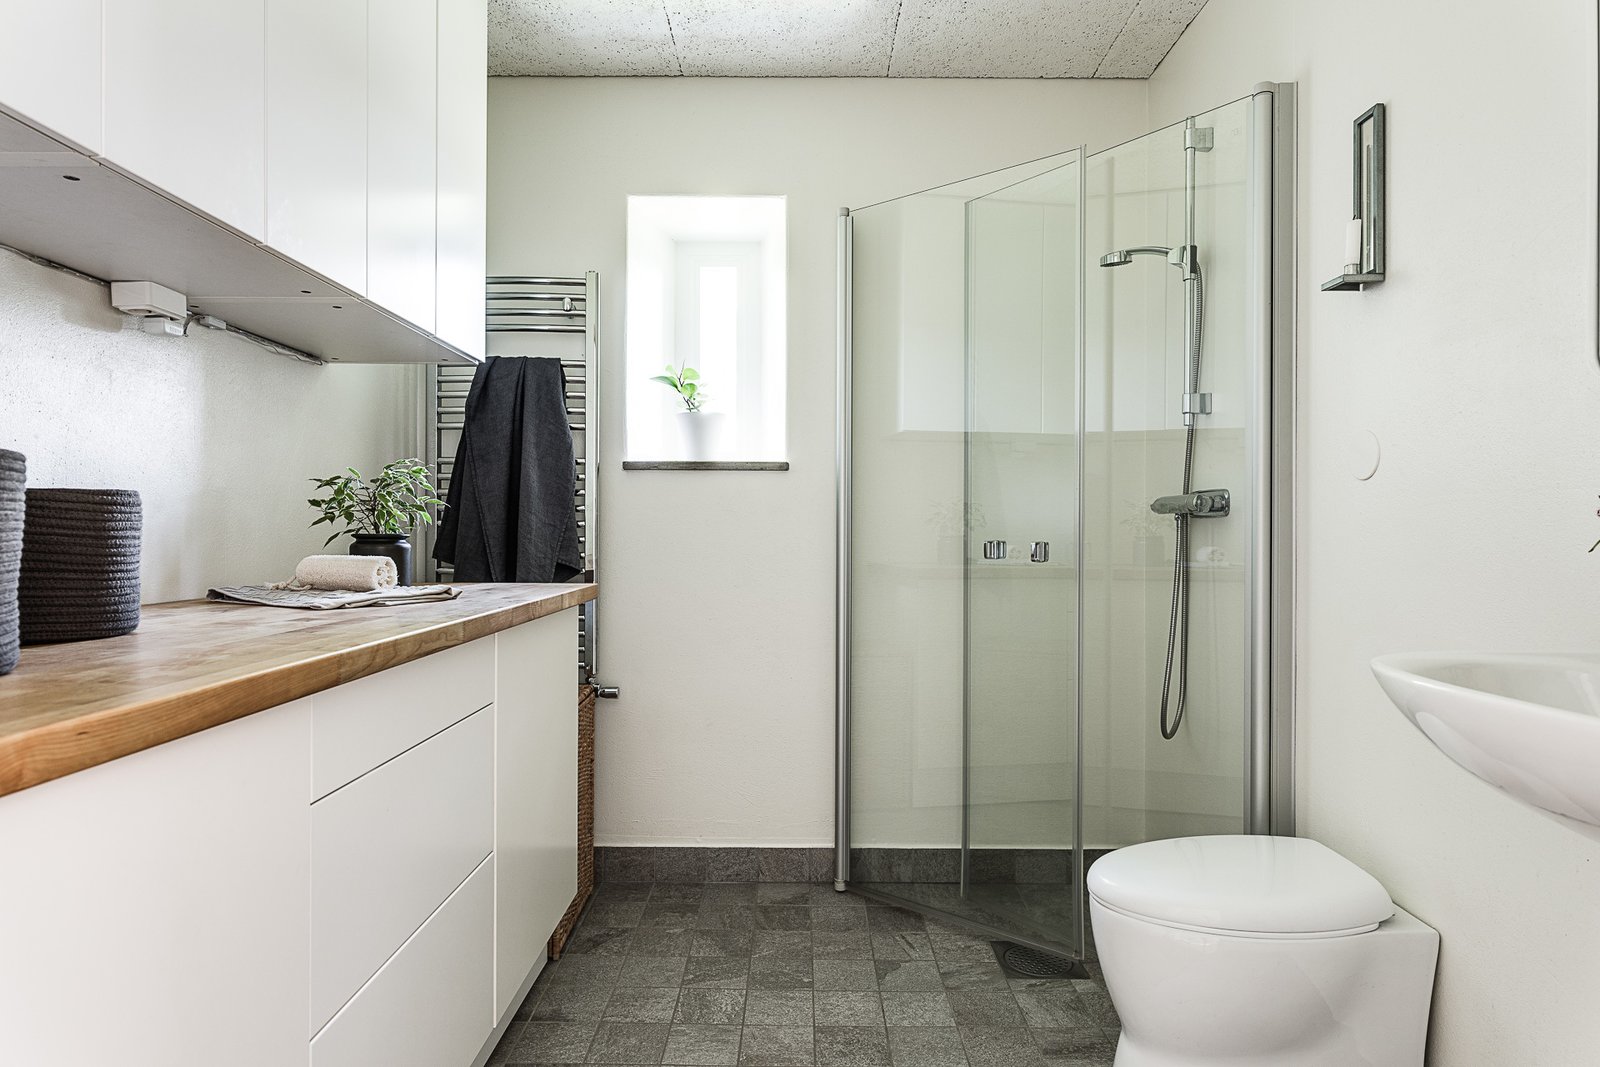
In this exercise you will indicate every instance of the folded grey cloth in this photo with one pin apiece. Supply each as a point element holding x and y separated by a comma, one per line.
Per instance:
<point>280,596</point>
<point>359,573</point>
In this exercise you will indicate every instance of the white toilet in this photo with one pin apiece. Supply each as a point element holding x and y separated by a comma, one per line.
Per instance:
<point>1258,952</point>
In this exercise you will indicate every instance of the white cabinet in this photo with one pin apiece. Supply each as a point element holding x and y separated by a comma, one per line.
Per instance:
<point>153,910</point>
<point>536,794</point>
<point>388,848</point>
<point>430,1004</point>
<point>185,102</point>
<point>361,724</point>
<point>50,66</point>
<point>347,136</point>
<point>402,157</point>
<point>205,903</point>
<point>463,171</point>
<point>316,153</point>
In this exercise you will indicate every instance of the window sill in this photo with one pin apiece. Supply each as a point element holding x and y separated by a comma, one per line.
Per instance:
<point>703,465</point>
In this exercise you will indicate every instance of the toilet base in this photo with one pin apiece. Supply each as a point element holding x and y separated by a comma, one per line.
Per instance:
<point>1193,999</point>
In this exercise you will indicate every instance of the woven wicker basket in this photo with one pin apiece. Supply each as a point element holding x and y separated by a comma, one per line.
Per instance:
<point>80,565</point>
<point>13,477</point>
<point>558,940</point>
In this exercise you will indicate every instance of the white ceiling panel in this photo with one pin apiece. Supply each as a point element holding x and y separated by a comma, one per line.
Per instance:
<point>835,38</point>
<point>1005,38</point>
<point>1152,30</point>
<point>580,38</point>
<point>783,38</point>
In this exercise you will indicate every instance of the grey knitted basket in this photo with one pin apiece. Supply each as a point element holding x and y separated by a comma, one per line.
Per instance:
<point>13,478</point>
<point>80,565</point>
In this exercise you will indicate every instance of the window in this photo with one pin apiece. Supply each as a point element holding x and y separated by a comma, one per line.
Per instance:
<point>706,290</point>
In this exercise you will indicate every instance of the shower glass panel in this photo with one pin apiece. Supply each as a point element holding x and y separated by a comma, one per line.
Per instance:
<point>914,530</point>
<point>1138,785</point>
<point>1024,259</point>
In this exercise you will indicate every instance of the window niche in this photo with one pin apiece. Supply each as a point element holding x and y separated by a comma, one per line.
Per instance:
<point>706,289</point>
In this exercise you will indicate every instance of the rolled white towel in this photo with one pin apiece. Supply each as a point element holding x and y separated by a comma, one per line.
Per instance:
<point>363,574</point>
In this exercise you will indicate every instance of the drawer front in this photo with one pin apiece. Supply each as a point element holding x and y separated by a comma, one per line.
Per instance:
<point>388,848</point>
<point>430,1005</point>
<point>357,726</point>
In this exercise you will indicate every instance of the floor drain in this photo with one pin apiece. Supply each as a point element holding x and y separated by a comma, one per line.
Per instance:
<point>1024,961</point>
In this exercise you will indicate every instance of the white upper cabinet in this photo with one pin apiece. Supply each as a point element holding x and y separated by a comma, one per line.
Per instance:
<point>402,157</point>
<point>185,102</point>
<point>348,137</point>
<point>50,66</point>
<point>463,171</point>
<point>317,136</point>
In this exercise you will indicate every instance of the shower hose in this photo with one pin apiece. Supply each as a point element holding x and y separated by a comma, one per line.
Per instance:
<point>1178,619</point>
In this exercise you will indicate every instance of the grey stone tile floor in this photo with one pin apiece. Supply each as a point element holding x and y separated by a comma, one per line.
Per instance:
<point>776,974</point>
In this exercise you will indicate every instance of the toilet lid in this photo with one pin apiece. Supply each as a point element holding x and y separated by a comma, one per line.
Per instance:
<point>1245,884</point>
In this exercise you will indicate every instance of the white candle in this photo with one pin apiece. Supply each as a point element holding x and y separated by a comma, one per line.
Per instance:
<point>1352,242</point>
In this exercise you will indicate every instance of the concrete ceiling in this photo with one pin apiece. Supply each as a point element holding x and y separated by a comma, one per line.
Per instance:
<point>835,38</point>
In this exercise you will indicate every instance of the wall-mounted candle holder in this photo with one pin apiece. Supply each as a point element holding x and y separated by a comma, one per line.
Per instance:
<point>1364,234</point>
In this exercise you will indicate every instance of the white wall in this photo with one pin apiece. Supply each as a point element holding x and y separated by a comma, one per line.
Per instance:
<point>717,603</point>
<point>1474,363</point>
<point>216,434</point>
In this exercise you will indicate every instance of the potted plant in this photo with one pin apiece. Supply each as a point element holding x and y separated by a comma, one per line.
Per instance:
<point>698,429</point>
<point>378,514</point>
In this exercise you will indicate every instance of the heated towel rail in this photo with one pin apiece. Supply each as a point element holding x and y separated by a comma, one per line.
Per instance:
<point>535,316</point>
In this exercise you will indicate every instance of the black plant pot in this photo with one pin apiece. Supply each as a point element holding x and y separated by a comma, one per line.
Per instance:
<point>395,546</point>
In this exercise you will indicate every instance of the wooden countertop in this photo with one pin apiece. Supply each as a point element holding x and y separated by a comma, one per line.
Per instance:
<point>194,664</point>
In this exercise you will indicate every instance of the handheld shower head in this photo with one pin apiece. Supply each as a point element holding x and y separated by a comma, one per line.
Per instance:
<point>1123,256</point>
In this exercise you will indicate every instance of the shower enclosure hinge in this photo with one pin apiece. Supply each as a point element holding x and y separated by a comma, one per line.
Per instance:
<point>1197,403</point>
<point>1199,138</point>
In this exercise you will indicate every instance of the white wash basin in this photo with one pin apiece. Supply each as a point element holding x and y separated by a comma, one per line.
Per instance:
<point>1529,724</point>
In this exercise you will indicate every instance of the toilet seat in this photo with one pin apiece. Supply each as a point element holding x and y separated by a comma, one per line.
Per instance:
<point>1243,885</point>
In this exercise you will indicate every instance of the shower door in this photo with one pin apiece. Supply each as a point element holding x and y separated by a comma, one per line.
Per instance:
<point>1021,848</point>
<point>1018,623</point>
<point>938,738</point>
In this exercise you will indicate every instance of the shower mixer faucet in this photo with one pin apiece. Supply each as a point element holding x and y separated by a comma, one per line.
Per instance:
<point>1205,504</point>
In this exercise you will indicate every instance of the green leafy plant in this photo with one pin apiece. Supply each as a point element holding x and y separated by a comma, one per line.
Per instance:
<point>391,503</point>
<point>685,382</point>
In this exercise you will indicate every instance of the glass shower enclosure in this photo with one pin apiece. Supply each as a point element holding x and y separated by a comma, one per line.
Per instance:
<point>1064,451</point>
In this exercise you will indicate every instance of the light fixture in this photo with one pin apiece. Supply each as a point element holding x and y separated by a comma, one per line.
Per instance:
<point>1364,238</point>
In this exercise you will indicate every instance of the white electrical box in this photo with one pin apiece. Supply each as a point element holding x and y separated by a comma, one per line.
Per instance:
<point>149,299</point>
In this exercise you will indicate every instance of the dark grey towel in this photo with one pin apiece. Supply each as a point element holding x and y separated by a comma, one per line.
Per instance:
<point>511,515</point>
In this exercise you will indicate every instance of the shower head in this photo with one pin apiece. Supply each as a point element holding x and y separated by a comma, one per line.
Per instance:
<point>1123,256</point>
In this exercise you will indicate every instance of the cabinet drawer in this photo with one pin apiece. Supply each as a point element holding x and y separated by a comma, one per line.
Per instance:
<point>430,1005</point>
<point>388,848</point>
<point>355,727</point>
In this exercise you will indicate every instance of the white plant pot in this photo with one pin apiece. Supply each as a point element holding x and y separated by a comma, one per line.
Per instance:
<point>701,434</point>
